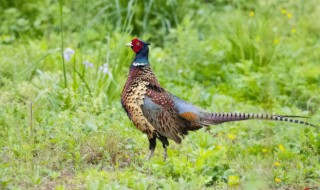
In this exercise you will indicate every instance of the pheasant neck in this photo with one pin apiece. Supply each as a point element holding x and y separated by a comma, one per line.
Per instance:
<point>141,59</point>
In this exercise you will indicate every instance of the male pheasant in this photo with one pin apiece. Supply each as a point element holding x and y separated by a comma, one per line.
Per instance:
<point>160,114</point>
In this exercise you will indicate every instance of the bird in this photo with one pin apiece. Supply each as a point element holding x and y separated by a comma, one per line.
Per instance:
<point>162,115</point>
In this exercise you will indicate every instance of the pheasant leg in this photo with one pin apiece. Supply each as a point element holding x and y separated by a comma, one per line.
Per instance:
<point>151,154</point>
<point>152,146</point>
<point>165,154</point>
<point>165,144</point>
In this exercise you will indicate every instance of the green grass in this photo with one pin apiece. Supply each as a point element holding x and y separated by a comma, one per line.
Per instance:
<point>62,125</point>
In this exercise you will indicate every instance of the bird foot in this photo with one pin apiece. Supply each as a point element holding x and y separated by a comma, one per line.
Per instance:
<point>165,154</point>
<point>151,154</point>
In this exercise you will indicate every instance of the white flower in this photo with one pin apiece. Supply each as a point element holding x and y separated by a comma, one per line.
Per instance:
<point>67,54</point>
<point>87,64</point>
<point>105,68</point>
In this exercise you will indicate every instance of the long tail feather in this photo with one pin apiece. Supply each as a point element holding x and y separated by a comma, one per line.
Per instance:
<point>295,116</point>
<point>217,118</point>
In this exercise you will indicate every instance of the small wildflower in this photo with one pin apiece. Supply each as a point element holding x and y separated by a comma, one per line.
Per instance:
<point>276,41</point>
<point>232,177</point>
<point>277,164</point>
<point>105,69</point>
<point>67,54</point>
<point>218,147</point>
<point>87,64</point>
<point>281,148</point>
<point>233,180</point>
<point>264,150</point>
<point>283,11</point>
<point>251,13</point>
<point>293,30</point>
<point>231,136</point>
<point>289,15</point>
<point>277,180</point>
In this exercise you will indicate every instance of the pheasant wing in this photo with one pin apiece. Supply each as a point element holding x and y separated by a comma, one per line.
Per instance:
<point>158,108</point>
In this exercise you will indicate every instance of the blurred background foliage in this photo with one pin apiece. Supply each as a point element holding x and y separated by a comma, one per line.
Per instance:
<point>225,32</point>
<point>222,55</point>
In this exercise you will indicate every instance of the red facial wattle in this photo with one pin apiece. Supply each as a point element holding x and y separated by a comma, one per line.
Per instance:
<point>136,45</point>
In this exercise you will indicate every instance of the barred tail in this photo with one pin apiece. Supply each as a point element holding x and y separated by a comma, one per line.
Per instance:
<point>217,118</point>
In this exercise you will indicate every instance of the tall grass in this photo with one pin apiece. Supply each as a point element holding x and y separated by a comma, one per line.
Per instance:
<point>62,44</point>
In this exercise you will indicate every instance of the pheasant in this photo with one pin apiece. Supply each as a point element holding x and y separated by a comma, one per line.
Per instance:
<point>162,115</point>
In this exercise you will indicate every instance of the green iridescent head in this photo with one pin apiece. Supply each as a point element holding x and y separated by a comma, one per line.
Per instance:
<point>142,50</point>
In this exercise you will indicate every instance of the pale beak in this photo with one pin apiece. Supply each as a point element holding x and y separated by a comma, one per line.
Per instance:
<point>129,44</point>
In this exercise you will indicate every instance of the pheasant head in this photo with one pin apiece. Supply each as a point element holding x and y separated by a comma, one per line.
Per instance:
<point>142,50</point>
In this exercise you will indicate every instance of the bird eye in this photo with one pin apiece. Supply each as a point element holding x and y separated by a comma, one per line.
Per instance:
<point>137,43</point>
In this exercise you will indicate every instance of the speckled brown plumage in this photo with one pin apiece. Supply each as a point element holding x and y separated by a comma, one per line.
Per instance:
<point>161,115</point>
<point>132,98</point>
<point>142,86</point>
